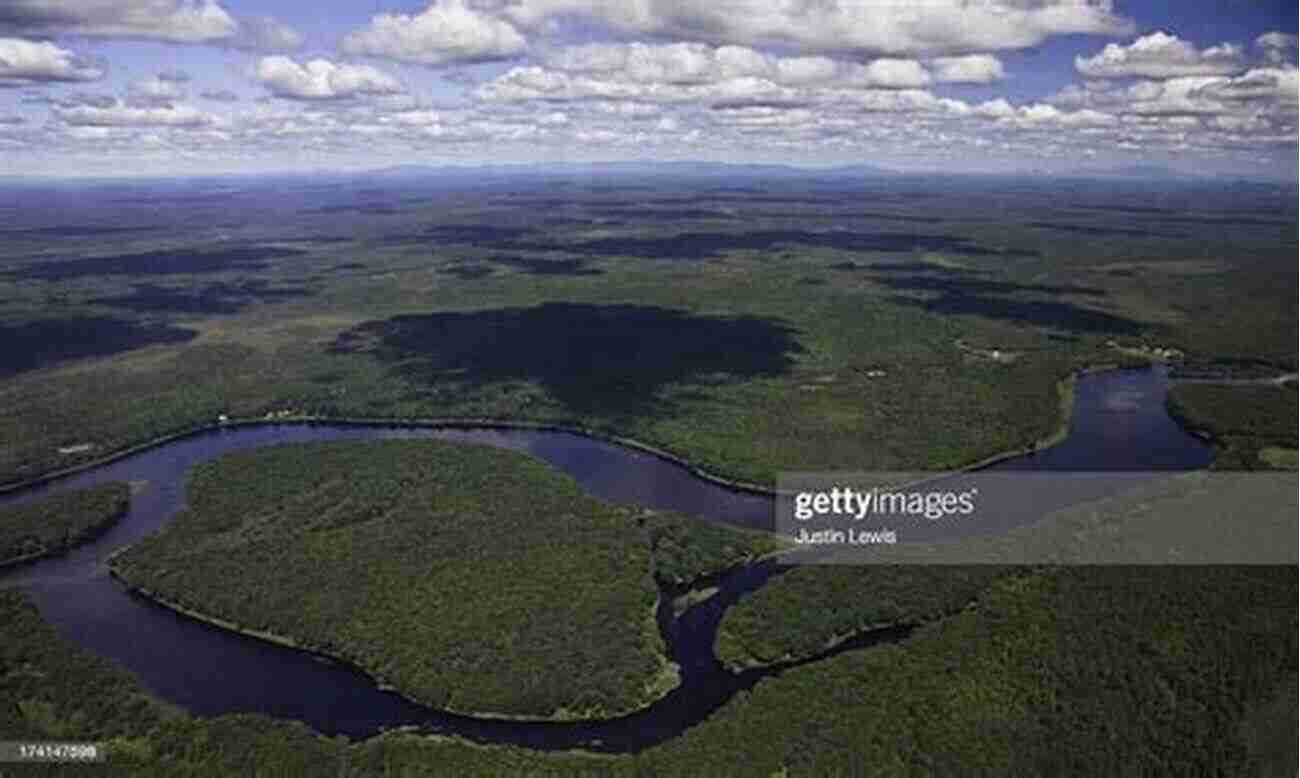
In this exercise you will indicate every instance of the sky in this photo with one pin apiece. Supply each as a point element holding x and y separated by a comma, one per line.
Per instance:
<point>196,87</point>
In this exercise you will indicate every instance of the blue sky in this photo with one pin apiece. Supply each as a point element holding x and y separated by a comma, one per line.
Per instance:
<point>94,87</point>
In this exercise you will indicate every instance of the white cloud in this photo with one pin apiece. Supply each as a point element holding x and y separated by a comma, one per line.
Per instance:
<point>156,88</point>
<point>893,74</point>
<point>1278,84</point>
<point>24,62</point>
<point>122,115</point>
<point>1260,91</point>
<point>901,101</point>
<point>1278,47</point>
<point>321,79</point>
<point>532,82</point>
<point>1160,55</point>
<point>691,72</point>
<point>670,63</point>
<point>177,21</point>
<point>219,95</point>
<point>415,118</point>
<point>262,33</point>
<point>970,69</point>
<point>799,71</point>
<point>447,32</point>
<point>844,26</point>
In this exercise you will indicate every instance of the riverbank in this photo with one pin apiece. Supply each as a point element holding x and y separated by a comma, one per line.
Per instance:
<point>543,577</point>
<point>1065,389</point>
<point>60,523</point>
<point>660,684</point>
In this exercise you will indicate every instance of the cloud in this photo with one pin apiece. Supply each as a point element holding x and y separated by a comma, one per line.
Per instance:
<point>902,101</point>
<point>120,114</point>
<point>1279,84</point>
<point>1041,114</point>
<point>934,27</point>
<point>531,82</point>
<point>447,32</point>
<point>174,76</point>
<point>692,73</point>
<point>321,79</point>
<point>264,34</point>
<point>173,21</point>
<point>156,89</point>
<point>1264,91</point>
<point>1160,55</point>
<point>802,71</point>
<point>176,21</point>
<point>893,74</point>
<point>1278,47</point>
<point>219,95</point>
<point>24,63</point>
<point>670,63</point>
<point>970,69</point>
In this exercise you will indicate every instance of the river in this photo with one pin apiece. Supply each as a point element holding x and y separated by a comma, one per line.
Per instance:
<point>1119,423</point>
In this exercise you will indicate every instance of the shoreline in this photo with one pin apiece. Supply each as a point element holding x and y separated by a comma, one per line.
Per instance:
<point>434,423</point>
<point>561,716</point>
<point>1065,388</point>
<point>89,535</point>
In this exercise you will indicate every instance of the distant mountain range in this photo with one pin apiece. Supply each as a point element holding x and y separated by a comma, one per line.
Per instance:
<point>1148,172</point>
<point>697,169</point>
<point>639,168</point>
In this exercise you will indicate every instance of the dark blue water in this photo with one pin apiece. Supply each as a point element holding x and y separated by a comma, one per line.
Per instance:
<point>1119,423</point>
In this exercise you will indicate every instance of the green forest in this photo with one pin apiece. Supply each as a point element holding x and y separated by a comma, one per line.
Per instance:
<point>1114,671</point>
<point>1254,427</point>
<point>470,579</point>
<point>57,523</point>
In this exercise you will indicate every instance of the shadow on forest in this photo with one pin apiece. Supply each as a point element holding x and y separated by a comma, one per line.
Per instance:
<point>700,245</point>
<point>216,298</point>
<point>548,267</point>
<point>170,262</point>
<point>1090,229</point>
<point>1041,313</point>
<point>901,266</point>
<point>76,231</point>
<point>661,214</point>
<point>467,272</point>
<point>894,217</point>
<point>477,234</point>
<point>595,359</point>
<point>967,285</point>
<point>37,344</point>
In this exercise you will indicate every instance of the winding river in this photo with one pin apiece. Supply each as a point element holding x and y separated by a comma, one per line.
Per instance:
<point>1119,423</point>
